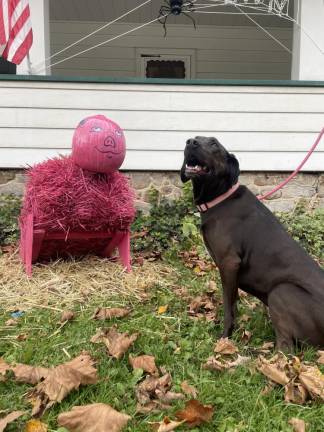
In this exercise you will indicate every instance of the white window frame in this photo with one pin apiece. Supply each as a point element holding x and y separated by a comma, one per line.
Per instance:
<point>143,55</point>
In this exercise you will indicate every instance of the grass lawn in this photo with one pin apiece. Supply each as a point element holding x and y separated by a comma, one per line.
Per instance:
<point>178,342</point>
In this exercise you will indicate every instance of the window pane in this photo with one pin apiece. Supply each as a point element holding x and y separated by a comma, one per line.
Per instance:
<point>165,69</point>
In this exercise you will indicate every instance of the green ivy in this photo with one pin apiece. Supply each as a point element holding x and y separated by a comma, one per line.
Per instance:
<point>168,224</point>
<point>176,223</point>
<point>306,227</point>
<point>9,212</point>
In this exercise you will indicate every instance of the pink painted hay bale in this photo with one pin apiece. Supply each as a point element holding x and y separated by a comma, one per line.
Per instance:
<point>63,197</point>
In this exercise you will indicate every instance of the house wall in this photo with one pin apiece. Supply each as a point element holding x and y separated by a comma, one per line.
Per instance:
<point>225,52</point>
<point>269,128</point>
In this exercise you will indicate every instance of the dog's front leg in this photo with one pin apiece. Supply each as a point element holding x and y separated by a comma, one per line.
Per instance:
<point>229,271</point>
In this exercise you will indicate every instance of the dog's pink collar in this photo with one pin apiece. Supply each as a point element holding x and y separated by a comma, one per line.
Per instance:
<point>205,206</point>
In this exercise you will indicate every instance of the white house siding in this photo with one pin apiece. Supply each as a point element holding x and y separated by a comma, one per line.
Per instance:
<point>268,128</point>
<point>230,52</point>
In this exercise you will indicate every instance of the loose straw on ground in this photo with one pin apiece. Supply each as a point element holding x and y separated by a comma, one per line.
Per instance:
<point>65,284</point>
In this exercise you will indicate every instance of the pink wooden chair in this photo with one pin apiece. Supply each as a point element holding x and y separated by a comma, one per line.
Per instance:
<point>38,244</point>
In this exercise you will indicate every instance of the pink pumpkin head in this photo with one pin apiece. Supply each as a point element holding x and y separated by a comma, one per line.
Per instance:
<point>98,145</point>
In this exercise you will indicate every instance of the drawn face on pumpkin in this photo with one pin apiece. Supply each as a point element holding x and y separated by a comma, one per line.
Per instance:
<point>98,145</point>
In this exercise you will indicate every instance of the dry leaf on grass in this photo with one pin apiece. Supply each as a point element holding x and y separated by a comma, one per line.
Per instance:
<point>313,379</point>
<point>320,359</point>
<point>116,343</point>
<point>246,336</point>
<point>188,389</point>
<point>154,393</point>
<point>97,417</point>
<point>67,316</point>
<point>145,362</point>
<point>29,374</point>
<point>61,380</point>
<point>216,363</point>
<point>11,322</point>
<point>297,424</point>
<point>109,313</point>
<point>203,306</point>
<point>166,425</point>
<point>245,318</point>
<point>35,426</point>
<point>265,348</point>
<point>195,413</point>
<point>274,369</point>
<point>162,309</point>
<point>225,346</point>
<point>4,367</point>
<point>9,419</point>
<point>295,393</point>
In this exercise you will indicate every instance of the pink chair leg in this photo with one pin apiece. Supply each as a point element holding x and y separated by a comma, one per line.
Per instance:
<point>28,244</point>
<point>113,243</point>
<point>124,251</point>
<point>37,243</point>
<point>22,243</point>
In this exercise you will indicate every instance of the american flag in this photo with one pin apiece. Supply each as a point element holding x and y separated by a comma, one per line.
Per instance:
<point>16,35</point>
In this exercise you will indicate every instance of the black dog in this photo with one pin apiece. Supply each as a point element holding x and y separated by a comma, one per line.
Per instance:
<point>252,249</point>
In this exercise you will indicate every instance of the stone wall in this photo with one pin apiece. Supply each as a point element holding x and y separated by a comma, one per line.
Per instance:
<point>306,186</point>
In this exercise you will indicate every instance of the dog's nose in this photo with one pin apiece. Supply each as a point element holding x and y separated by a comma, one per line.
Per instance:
<point>192,142</point>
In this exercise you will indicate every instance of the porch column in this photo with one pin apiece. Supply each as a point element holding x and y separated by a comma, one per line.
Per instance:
<point>308,60</point>
<point>40,50</point>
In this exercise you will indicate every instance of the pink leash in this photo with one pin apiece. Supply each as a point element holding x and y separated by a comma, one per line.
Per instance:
<point>281,185</point>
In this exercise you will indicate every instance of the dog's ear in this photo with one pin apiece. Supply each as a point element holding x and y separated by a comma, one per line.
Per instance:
<point>183,176</point>
<point>233,168</point>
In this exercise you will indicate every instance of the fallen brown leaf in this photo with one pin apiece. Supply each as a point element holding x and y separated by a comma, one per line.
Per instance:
<point>67,316</point>
<point>99,336</point>
<point>166,425</point>
<point>295,393</point>
<point>9,419</point>
<point>21,337</point>
<point>195,413</point>
<point>203,306</point>
<point>118,343</point>
<point>152,407</point>
<point>211,286</point>
<point>320,359</point>
<point>245,318</point>
<point>97,417</point>
<point>61,380</point>
<point>188,389</point>
<point>297,424</point>
<point>4,367</point>
<point>215,364</point>
<point>145,362</point>
<point>29,374</point>
<point>225,346</point>
<point>313,379</point>
<point>273,369</point>
<point>154,393</point>
<point>219,364</point>
<point>169,396</point>
<point>246,336</point>
<point>35,426</point>
<point>11,322</point>
<point>109,313</point>
<point>266,347</point>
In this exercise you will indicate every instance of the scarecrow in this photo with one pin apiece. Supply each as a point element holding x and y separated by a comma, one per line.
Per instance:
<point>79,204</point>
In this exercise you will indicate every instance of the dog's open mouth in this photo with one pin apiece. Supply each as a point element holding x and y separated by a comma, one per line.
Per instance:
<point>193,167</point>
